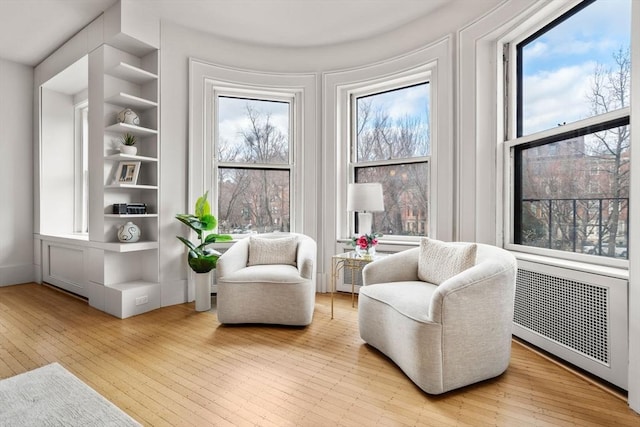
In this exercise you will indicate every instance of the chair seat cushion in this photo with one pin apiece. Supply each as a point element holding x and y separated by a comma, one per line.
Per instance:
<point>402,297</point>
<point>275,273</point>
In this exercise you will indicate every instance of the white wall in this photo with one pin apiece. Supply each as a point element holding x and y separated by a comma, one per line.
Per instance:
<point>16,173</point>
<point>178,44</point>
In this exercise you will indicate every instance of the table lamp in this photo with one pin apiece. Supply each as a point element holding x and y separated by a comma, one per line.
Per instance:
<point>365,198</point>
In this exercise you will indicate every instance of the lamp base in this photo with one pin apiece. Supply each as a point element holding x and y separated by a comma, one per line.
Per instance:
<point>365,219</point>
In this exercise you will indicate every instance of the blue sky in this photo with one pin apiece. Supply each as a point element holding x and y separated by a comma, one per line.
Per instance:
<point>558,66</point>
<point>412,101</point>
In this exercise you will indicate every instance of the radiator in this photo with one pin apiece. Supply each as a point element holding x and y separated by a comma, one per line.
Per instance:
<point>577,316</point>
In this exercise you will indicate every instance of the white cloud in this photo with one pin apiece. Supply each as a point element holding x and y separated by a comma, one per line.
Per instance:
<point>537,49</point>
<point>555,97</point>
<point>232,117</point>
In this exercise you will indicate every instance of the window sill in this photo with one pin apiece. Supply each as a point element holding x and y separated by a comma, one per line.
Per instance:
<point>83,237</point>
<point>615,272</point>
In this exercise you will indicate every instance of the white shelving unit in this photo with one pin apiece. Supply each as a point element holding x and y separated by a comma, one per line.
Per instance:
<point>120,156</point>
<point>131,73</point>
<point>122,128</point>
<point>111,64</point>
<point>125,100</point>
<point>124,79</point>
<point>131,186</point>
<point>131,215</point>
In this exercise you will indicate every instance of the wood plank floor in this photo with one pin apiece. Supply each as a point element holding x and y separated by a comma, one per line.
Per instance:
<point>174,366</point>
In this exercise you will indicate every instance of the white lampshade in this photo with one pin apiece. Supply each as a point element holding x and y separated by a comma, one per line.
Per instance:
<point>365,197</point>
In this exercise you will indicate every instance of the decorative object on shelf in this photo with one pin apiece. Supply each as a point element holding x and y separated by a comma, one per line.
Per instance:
<point>129,233</point>
<point>127,173</point>
<point>129,208</point>
<point>202,259</point>
<point>365,244</point>
<point>129,117</point>
<point>365,198</point>
<point>128,144</point>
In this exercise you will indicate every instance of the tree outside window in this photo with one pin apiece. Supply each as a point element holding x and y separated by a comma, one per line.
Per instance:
<point>253,164</point>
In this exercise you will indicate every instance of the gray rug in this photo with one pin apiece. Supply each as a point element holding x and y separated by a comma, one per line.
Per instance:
<point>53,396</point>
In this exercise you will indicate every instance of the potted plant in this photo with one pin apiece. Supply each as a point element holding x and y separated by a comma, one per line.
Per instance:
<point>128,142</point>
<point>201,258</point>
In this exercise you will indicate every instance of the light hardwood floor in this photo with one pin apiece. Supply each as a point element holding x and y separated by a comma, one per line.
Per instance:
<point>174,366</point>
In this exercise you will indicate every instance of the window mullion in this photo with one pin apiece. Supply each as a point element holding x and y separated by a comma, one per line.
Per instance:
<point>258,166</point>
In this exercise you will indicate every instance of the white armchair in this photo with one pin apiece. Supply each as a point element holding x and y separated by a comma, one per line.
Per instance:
<point>442,336</point>
<point>274,284</point>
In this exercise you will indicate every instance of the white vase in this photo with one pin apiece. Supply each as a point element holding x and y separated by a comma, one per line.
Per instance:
<point>129,150</point>
<point>129,233</point>
<point>129,117</point>
<point>203,291</point>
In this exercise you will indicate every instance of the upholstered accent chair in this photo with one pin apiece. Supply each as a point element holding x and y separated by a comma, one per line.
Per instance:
<point>268,278</point>
<point>447,335</point>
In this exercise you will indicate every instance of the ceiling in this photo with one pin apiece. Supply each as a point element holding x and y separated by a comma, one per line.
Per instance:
<point>28,34</point>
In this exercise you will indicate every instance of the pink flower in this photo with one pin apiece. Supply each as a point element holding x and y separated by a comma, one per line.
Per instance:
<point>365,241</point>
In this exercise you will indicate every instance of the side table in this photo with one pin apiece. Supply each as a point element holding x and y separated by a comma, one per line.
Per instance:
<point>349,261</point>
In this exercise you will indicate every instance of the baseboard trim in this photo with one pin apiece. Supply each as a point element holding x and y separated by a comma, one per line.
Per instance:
<point>596,381</point>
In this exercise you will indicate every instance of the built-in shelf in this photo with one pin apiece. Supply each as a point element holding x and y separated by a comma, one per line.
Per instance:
<point>128,247</point>
<point>132,186</point>
<point>130,215</point>
<point>120,156</point>
<point>129,101</point>
<point>131,73</point>
<point>135,130</point>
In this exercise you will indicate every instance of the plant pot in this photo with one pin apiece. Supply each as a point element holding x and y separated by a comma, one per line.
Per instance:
<point>129,150</point>
<point>203,291</point>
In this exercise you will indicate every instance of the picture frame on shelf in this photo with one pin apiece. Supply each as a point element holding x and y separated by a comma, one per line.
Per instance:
<point>127,173</point>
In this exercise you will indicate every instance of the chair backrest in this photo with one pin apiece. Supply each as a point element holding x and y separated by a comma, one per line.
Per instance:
<point>494,271</point>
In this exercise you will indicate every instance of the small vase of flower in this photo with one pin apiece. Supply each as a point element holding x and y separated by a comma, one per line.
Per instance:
<point>365,244</point>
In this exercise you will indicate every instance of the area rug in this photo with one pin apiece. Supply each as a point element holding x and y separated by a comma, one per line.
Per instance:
<point>53,396</point>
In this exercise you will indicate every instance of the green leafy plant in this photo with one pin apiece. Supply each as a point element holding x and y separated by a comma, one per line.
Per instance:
<point>201,258</point>
<point>128,139</point>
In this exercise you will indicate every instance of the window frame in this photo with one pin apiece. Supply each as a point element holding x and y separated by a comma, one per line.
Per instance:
<point>81,164</point>
<point>213,91</point>
<point>514,141</point>
<point>368,89</point>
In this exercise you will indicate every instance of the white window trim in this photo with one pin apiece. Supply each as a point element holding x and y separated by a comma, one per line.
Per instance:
<point>204,79</point>
<point>373,88</point>
<point>214,90</point>
<point>80,197</point>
